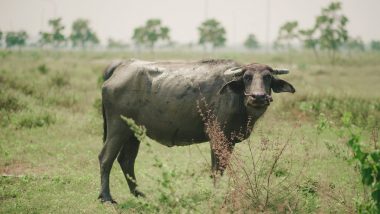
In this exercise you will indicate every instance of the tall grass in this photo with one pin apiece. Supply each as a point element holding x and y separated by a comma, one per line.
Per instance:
<point>364,112</point>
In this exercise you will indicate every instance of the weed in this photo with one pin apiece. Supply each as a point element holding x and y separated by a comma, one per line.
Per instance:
<point>97,104</point>
<point>168,200</point>
<point>369,167</point>
<point>363,112</point>
<point>43,69</point>
<point>259,184</point>
<point>59,80</point>
<point>32,119</point>
<point>64,100</point>
<point>9,103</point>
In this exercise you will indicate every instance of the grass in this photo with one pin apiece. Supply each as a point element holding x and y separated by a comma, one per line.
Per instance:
<point>51,134</point>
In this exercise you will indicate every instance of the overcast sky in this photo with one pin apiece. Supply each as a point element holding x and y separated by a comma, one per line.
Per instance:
<point>117,18</point>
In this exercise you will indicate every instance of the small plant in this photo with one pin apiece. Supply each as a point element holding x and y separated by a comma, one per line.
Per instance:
<point>368,163</point>
<point>258,183</point>
<point>34,120</point>
<point>9,103</point>
<point>98,105</point>
<point>168,199</point>
<point>59,80</point>
<point>363,112</point>
<point>43,69</point>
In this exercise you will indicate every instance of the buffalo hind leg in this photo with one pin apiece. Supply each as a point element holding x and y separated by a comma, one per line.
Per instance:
<point>126,160</point>
<point>107,156</point>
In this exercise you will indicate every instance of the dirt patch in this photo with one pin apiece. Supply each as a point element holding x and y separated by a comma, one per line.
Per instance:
<point>18,168</point>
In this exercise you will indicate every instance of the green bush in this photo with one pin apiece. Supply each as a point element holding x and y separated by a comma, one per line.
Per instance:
<point>364,113</point>
<point>33,120</point>
<point>59,80</point>
<point>9,103</point>
<point>43,69</point>
<point>368,163</point>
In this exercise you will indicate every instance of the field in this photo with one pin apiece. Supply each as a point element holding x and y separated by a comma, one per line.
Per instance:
<point>296,160</point>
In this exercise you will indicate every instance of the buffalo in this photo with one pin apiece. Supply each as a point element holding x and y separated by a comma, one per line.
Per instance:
<point>164,97</point>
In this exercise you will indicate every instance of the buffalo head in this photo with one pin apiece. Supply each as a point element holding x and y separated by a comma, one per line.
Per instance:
<point>256,82</point>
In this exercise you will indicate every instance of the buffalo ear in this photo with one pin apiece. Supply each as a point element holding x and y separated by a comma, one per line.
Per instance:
<point>279,85</point>
<point>237,86</point>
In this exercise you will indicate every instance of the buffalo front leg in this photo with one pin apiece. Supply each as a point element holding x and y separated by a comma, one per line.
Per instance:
<point>107,156</point>
<point>220,156</point>
<point>126,160</point>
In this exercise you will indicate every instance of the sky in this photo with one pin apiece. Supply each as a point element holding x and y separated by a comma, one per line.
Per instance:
<point>117,18</point>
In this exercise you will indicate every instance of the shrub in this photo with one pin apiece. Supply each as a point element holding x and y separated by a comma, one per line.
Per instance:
<point>34,119</point>
<point>168,199</point>
<point>9,103</point>
<point>259,183</point>
<point>368,163</point>
<point>98,105</point>
<point>43,69</point>
<point>365,113</point>
<point>59,80</point>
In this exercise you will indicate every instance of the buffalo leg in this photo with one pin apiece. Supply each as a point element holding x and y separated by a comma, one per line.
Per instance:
<point>126,160</point>
<point>107,156</point>
<point>220,156</point>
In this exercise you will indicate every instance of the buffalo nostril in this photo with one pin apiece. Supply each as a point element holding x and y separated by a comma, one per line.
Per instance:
<point>258,96</point>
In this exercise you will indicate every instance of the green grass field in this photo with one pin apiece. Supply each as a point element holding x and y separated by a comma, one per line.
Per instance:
<point>51,134</point>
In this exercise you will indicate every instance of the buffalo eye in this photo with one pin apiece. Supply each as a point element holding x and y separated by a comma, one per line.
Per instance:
<point>248,78</point>
<point>267,77</point>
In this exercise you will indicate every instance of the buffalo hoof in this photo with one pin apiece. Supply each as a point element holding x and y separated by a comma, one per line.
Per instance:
<point>104,199</point>
<point>137,194</point>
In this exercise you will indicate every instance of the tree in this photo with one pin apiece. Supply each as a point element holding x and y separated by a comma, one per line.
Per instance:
<point>355,44</point>
<point>251,42</point>
<point>151,33</point>
<point>212,32</point>
<point>16,39</point>
<point>309,40</point>
<point>1,38</point>
<point>55,37</point>
<point>331,29</point>
<point>287,34</point>
<point>375,45</point>
<point>82,35</point>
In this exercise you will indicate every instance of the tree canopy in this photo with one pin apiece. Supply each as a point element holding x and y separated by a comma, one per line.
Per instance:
<point>212,32</point>
<point>82,35</point>
<point>55,37</point>
<point>375,45</point>
<point>1,38</point>
<point>287,34</point>
<point>15,39</point>
<point>251,42</point>
<point>152,32</point>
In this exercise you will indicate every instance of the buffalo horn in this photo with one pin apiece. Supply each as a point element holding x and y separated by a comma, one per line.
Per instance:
<point>233,72</point>
<point>280,71</point>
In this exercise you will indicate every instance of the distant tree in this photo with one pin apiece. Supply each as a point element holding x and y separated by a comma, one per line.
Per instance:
<point>1,38</point>
<point>13,39</point>
<point>309,40</point>
<point>82,35</point>
<point>355,44</point>
<point>251,42</point>
<point>331,29</point>
<point>55,37</point>
<point>212,32</point>
<point>375,45</point>
<point>116,44</point>
<point>45,38</point>
<point>287,35</point>
<point>151,33</point>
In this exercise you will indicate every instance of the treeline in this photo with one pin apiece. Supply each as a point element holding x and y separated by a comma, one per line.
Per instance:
<point>329,34</point>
